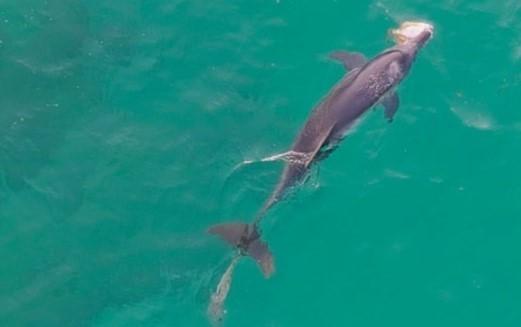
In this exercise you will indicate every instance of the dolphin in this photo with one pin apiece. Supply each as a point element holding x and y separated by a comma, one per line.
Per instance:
<point>366,84</point>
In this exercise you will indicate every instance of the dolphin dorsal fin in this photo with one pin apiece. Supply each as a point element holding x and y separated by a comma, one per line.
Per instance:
<point>351,60</point>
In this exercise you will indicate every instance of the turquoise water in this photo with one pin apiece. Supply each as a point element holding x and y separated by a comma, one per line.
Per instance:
<point>122,122</point>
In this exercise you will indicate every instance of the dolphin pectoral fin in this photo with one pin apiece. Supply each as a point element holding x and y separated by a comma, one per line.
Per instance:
<point>351,60</point>
<point>260,252</point>
<point>390,103</point>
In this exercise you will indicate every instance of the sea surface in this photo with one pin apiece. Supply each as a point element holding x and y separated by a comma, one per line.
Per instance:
<point>124,123</point>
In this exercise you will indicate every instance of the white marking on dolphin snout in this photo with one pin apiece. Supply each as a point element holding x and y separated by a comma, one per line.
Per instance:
<point>409,31</point>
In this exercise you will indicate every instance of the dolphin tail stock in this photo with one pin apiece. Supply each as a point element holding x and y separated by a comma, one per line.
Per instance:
<point>246,238</point>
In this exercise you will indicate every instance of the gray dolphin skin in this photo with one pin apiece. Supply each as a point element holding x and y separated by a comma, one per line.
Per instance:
<point>366,84</point>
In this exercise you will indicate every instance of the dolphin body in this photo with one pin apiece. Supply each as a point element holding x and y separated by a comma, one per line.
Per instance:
<point>366,84</point>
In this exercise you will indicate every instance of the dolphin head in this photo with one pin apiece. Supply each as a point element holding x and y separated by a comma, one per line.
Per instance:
<point>413,33</point>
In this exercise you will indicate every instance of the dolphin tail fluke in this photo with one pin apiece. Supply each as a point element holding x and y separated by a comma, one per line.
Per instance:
<point>260,252</point>
<point>249,243</point>
<point>232,232</point>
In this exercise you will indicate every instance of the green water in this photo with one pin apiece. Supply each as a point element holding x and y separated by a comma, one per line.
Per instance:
<point>122,122</point>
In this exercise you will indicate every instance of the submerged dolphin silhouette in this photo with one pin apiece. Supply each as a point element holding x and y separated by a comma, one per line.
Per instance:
<point>366,84</point>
